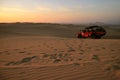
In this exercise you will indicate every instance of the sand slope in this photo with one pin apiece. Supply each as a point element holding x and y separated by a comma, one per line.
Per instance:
<point>52,58</point>
<point>54,30</point>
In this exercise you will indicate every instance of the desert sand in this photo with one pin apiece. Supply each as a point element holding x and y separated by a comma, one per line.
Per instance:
<point>46,57</point>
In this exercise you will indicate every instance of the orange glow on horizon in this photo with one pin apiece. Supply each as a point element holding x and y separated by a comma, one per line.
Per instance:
<point>60,11</point>
<point>42,14</point>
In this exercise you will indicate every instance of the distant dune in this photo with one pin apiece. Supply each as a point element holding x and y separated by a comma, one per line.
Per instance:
<point>47,29</point>
<point>52,52</point>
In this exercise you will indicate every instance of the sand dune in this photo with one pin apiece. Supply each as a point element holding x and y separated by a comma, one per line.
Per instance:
<point>52,52</point>
<point>55,58</point>
<point>53,30</point>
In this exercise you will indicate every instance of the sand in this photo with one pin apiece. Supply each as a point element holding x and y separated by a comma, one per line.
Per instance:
<point>51,30</point>
<point>43,51</point>
<point>57,58</point>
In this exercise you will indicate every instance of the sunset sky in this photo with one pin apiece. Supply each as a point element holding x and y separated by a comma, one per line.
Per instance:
<point>60,11</point>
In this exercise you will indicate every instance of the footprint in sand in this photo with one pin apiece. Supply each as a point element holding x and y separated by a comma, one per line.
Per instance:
<point>71,49</point>
<point>1,52</point>
<point>81,50</point>
<point>79,59</point>
<point>96,57</point>
<point>29,53</point>
<point>103,48</point>
<point>97,49</point>
<point>56,60</point>
<point>39,45</point>
<point>6,52</point>
<point>22,52</point>
<point>16,49</point>
<point>76,64</point>
<point>112,50</point>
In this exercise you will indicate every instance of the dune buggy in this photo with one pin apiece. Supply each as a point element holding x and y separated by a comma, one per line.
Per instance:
<point>94,32</point>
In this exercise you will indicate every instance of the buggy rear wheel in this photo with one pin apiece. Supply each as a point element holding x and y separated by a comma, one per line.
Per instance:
<point>93,36</point>
<point>79,36</point>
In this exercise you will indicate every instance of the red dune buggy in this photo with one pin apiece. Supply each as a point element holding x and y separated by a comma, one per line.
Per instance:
<point>95,32</point>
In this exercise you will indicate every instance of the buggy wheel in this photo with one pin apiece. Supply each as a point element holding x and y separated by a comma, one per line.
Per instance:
<point>93,36</point>
<point>98,37</point>
<point>79,36</point>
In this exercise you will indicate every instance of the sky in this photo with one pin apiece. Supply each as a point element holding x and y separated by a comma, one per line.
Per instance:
<point>60,11</point>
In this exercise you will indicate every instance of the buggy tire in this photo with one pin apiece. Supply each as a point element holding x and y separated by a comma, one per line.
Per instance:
<point>93,36</point>
<point>79,36</point>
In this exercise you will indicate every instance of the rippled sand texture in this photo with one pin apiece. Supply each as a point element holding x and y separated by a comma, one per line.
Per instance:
<point>52,58</point>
